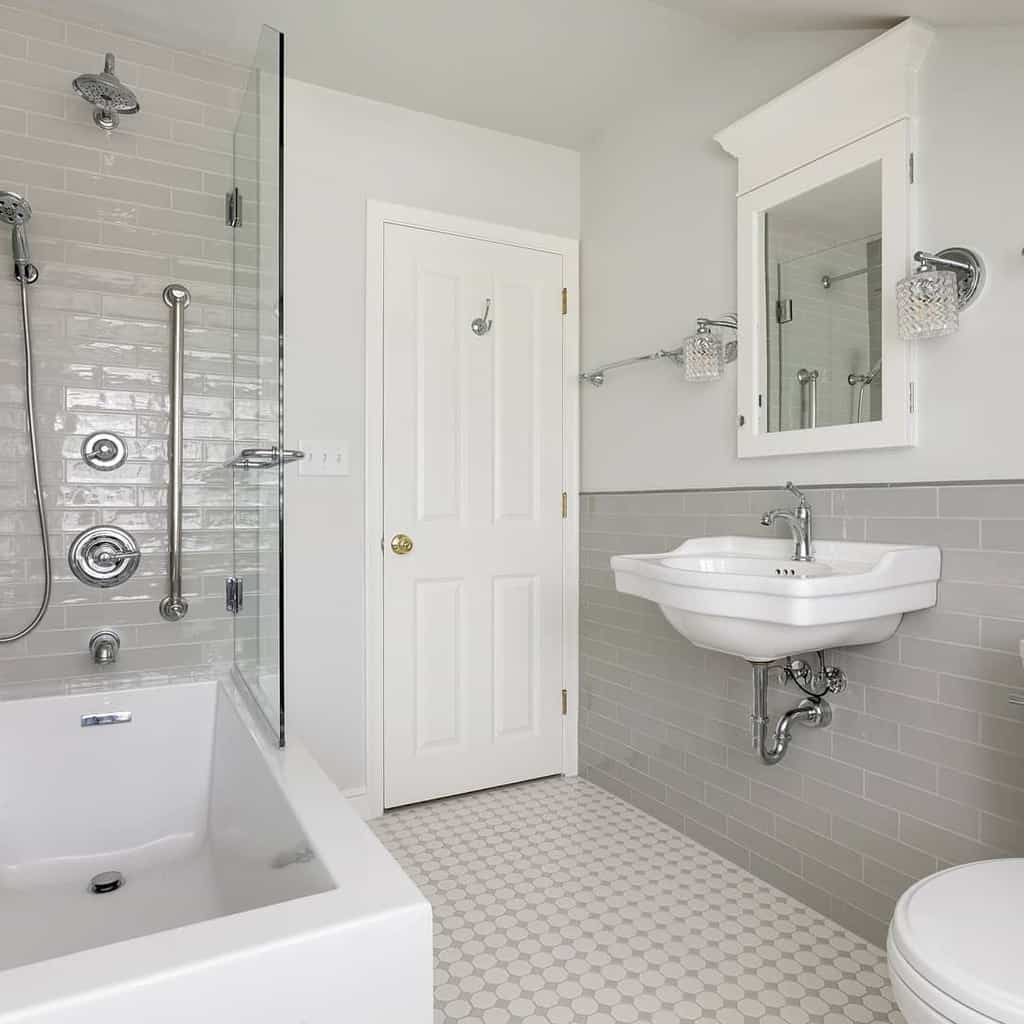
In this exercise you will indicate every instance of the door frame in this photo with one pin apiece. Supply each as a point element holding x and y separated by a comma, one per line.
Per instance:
<point>370,802</point>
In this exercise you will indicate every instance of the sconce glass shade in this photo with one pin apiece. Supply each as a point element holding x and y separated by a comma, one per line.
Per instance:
<point>928,305</point>
<point>702,356</point>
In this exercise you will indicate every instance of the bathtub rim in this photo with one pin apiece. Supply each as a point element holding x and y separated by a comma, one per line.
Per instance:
<point>368,884</point>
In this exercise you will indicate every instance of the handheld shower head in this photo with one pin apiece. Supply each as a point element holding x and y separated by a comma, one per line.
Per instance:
<point>108,94</point>
<point>16,211</point>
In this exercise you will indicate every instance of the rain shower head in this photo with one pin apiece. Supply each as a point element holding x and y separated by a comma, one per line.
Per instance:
<point>108,94</point>
<point>15,210</point>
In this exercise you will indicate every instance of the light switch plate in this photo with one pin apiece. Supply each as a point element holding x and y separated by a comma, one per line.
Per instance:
<point>324,458</point>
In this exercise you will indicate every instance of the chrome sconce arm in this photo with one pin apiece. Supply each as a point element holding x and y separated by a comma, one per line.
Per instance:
<point>177,298</point>
<point>965,263</point>
<point>596,376</point>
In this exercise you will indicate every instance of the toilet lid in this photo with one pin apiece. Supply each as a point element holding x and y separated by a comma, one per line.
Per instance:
<point>963,931</point>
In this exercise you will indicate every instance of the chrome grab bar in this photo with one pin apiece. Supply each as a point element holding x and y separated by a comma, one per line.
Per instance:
<point>263,458</point>
<point>808,381</point>
<point>177,298</point>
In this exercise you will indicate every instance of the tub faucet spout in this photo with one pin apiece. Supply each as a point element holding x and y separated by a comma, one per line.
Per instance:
<point>104,647</point>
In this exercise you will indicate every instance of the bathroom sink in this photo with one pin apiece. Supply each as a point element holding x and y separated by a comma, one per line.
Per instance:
<point>747,596</point>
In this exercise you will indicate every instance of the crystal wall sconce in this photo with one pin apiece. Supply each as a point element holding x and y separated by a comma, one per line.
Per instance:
<point>702,355</point>
<point>929,301</point>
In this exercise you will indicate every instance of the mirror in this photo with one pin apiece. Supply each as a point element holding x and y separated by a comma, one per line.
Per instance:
<point>823,324</point>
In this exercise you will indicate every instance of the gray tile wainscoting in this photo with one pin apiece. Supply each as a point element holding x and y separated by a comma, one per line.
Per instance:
<point>923,765</point>
<point>116,218</point>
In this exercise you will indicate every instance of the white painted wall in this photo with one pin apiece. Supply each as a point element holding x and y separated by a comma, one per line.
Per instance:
<point>659,249</point>
<point>342,150</point>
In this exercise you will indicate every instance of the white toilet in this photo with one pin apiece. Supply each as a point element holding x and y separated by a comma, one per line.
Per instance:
<point>956,946</point>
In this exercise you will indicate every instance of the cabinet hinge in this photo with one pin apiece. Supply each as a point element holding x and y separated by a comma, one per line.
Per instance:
<point>565,301</point>
<point>565,505</point>
<point>565,702</point>
<point>911,168</point>
<point>784,311</point>
<point>911,396</point>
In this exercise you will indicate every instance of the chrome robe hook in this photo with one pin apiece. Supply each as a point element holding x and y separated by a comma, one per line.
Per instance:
<point>481,325</point>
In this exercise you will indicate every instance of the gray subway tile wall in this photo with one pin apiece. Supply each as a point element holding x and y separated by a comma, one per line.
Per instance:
<point>116,218</point>
<point>923,766</point>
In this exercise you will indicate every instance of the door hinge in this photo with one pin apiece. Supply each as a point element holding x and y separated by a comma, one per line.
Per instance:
<point>911,397</point>
<point>565,702</point>
<point>784,311</point>
<point>912,169</point>
<point>565,505</point>
<point>565,301</point>
<point>233,209</point>
<point>234,594</point>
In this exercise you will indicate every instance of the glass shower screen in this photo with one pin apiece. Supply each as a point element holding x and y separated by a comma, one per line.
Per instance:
<point>254,208</point>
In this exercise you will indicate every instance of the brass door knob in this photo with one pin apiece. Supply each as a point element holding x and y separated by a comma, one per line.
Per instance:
<point>401,544</point>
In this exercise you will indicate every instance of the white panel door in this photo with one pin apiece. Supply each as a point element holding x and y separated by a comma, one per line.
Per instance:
<point>473,476</point>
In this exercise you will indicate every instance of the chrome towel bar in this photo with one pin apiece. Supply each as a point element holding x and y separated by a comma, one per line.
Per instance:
<point>177,298</point>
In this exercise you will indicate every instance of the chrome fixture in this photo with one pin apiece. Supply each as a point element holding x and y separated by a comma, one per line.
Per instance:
<point>108,94</point>
<point>177,298</point>
<point>929,301</point>
<point>106,881</point>
<point>107,718</point>
<point>104,556</point>
<point>264,458</point>
<point>481,325</point>
<point>677,355</point>
<point>863,380</point>
<point>233,204</point>
<point>104,451</point>
<point>800,521</point>
<point>104,648</point>
<point>813,710</point>
<point>828,280</point>
<point>16,212</point>
<point>808,381</point>
<point>234,594</point>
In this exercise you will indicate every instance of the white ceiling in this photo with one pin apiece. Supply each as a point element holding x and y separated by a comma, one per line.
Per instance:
<point>546,69</point>
<point>761,15</point>
<point>554,70</point>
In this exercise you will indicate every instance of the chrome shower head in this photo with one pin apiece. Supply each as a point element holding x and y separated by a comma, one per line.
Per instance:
<point>108,94</point>
<point>15,210</point>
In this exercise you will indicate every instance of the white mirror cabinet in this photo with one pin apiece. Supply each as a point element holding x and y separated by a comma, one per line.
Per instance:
<point>825,217</point>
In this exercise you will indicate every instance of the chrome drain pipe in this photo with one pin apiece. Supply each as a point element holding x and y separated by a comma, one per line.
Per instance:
<point>814,712</point>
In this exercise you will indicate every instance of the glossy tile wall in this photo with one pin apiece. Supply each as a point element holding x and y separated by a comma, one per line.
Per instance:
<point>923,765</point>
<point>116,218</point>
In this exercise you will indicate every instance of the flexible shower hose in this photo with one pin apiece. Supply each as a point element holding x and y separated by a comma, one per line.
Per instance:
<point>34,449</point>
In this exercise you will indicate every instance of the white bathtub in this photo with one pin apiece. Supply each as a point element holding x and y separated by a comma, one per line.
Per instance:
<point>252,892</point>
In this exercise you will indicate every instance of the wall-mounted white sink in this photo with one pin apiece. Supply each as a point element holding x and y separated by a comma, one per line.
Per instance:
<point>747,596</point>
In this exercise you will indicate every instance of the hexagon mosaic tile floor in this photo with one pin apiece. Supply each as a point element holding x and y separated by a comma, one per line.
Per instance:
<point>556,902</point>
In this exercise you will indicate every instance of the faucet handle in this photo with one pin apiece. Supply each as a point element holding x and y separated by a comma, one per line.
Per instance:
<point>793,489</point>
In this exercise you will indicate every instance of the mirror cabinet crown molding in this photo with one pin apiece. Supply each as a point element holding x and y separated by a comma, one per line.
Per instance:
<point>868,89</point>
<point>824,226</point>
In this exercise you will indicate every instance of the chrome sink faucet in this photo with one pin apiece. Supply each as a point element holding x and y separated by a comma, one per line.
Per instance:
<point>799,520</point>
